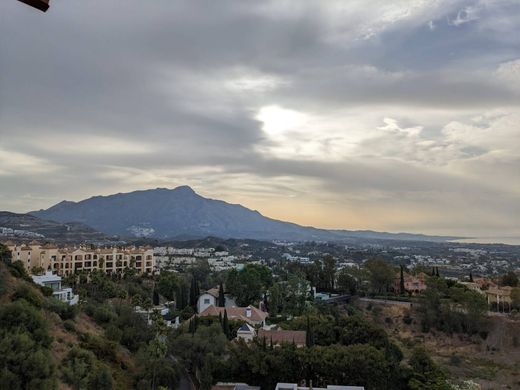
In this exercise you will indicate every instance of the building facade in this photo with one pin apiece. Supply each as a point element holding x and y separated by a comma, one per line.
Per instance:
<point>64,294</point>
<point>67,260</point>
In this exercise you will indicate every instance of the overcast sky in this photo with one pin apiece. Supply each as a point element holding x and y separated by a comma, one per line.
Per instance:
<point>369,114</point>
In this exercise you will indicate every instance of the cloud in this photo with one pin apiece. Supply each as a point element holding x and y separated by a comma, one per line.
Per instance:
<point>466,15</point>
<point>398,115</point>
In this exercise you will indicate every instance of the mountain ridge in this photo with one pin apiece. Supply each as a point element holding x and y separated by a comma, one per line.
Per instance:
<point>164,213</point>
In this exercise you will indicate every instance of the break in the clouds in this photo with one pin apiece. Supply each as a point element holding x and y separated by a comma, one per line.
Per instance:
<point>401,115</point>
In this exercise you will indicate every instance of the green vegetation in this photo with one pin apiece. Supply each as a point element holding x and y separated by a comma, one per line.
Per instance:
<point>105,344</point>
<point>452,308</point>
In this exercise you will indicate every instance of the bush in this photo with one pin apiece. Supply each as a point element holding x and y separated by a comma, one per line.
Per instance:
<point>102,314</point>
<point>29,294</point>
<point>102,348</point>
<point>17,269</point>
<point>407,319</point>
<point>64,310</point>
<point>82,370</point>
<point>113,333</point>
<point>69,326</point>
<point>46,291</point>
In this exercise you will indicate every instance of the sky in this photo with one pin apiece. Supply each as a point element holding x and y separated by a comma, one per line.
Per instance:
<point>361,114</point>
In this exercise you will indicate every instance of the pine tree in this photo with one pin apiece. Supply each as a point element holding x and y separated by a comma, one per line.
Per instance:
<point>221,297</point>
<point>401,282</point>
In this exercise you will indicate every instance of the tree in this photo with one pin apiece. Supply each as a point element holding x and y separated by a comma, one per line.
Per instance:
<point>426,374</point>
<point>329,272</point>
<point>381,274</point>
<point>25,358</point>
<point>402,289</point>
<point>309,341</point>
<point>225,324</point>
<point>470,277</point>
<point>5,254</point>
<point>167,285</point>
<point>346,282</point>
<point>509,279</point>
<point>515,298</point>
<point>221,297</point>
<point>194,292</point>
<point>248,285</point>
<point>155,297</point>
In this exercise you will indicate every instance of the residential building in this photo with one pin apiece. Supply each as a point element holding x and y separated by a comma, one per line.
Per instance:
<point>414,284</point>
<point>67,260</point>
<point>54,282</point>
<point>251,315</point>
<point>233,386</point>
<point>246,332</point>
<point>279,336</point>
<point>206,299</point>
<point>294,386</point>
<point>499,297</point>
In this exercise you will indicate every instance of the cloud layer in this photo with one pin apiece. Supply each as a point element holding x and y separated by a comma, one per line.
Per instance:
<point>401,115</point>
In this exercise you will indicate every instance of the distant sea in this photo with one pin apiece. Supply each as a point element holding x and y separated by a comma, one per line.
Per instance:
<point>490,240</point>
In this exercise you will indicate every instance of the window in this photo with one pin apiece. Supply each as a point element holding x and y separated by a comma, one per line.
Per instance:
<point>206,301</point>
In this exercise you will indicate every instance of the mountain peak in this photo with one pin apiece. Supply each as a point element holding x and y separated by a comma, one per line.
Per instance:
<point>184,189</point>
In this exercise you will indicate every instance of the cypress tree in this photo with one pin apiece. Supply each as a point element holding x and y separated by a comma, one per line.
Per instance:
<point>225,324</point>
<point>155,297</point>
<point>401,282</point>
<point>437,271</point>
<point>194,295</point>
<point>309,337</point>
<point>221,298</point>
<point>470,276</point>
<point>220,318</point>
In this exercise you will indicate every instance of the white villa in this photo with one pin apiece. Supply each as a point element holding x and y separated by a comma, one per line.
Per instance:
<point>54,282</point>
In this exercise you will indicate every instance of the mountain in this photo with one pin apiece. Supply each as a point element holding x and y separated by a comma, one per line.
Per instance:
<point>29,227</point>
<point>180,213</point>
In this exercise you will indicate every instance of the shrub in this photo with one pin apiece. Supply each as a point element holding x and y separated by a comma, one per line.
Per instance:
<point>46,291</point>
<point>102,348</point>
<point>69,326</point>
<point>113,333</point>
<point>64,310</point>
<point>29,294</point>
<point>407,319</point>
<point>17,269</point>
<point>82,370</point>
<point>102,314</point>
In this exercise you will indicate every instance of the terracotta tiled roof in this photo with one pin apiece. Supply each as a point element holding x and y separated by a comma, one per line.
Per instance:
<point>213,292</point>
<point>284,336</point>
<point>235,313</point>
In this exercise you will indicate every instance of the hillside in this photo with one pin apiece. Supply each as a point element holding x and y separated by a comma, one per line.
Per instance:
<point>47,344</point>
<point>29,227</point>
<point>180,213</point>
<point>492,362</point>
